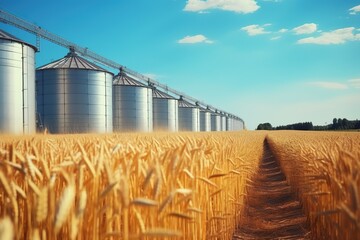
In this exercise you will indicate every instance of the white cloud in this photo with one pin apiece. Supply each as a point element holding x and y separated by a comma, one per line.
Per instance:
<point>354,10</point>
<point>338,36</point>
<point>306,28</point>
<point>253,30</point>
<point>355,83</point>
<point>329,85</point>
<point>195,39</point>
<point>349,84</point>
<point>275,38</point>
<point>238,6</point>
<point>283,30</point>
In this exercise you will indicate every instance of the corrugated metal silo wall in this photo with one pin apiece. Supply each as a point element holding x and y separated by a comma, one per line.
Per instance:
<point>74,100</point>
<point>189,119</point>
<point>132,108</point>
<point>241,125</point>
<point>223,123</point>
<point>215,122</point>
<point>165,114</point>
<point>236,125</point>
<point>229,124</point>
<point>205,121</point>
<point>17,88</point>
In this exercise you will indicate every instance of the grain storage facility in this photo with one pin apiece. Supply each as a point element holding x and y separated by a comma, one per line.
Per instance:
<point>74,96</point>
<point>229,123</point>
<point>189,116</point>
<point>223,121</point>
<point>205,119</point>
<point>215,121</point>
<point>165,112</point>
<point>132,104</point>
<point>238,124</point>
<point>17,85</point>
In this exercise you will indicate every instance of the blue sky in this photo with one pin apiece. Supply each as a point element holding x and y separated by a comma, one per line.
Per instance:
<point>277,61</point>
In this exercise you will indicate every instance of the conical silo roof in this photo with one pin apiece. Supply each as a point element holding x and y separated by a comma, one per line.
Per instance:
<point>186,104</point>
<point>202,108</point>
<point>123,79</point>
<point>159,94</point>
<point>72,61</point>
<point>10,37</point>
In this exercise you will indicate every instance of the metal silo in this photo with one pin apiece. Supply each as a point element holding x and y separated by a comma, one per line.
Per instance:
<point>229,123</point>
<point>17,85</point>
<point>74,96</point>
<point>215,121</point>
<point>132,104</point>
<point>236,124</point>
<point>205,120</point>
<point>165,112</point>
<point>189,116</point>
<point>241,124</point>
<point>223,121</point>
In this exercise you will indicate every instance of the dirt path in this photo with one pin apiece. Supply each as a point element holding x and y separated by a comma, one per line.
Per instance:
<point>271,210</point>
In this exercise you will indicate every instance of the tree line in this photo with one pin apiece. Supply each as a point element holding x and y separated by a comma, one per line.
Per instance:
<point>337,124</point>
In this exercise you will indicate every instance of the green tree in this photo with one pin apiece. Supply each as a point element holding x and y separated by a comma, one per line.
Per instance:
<point>264,126</point>
<point>335,121</point>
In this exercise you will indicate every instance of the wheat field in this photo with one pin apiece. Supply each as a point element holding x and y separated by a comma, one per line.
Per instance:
<point>125,186</point>
<point>169,186</point>
<point>324,169</point>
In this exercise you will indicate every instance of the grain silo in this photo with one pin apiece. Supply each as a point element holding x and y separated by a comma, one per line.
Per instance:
<point>241,124</point>
<point>229,123</point>
<point>74,96</point>
<point>132,104</point>
<point>238,124</point>
<point>189,116</point>
<point>215,121</point>
<point>165,112</point>
<point>223,121</point>
<point>205,119</point>
<point>17,85</point>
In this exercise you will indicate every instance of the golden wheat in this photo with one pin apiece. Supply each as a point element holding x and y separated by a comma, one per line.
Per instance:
<point>324,169</point>
<point>140,186</point>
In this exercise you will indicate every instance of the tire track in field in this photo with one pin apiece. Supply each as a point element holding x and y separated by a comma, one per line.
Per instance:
<point>271,210</point>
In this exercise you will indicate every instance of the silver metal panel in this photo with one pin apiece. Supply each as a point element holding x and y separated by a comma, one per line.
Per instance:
<point>165,114</point>
<point>215,122</point>
<point>223,123</point>
<point>229,124</point>
<point>205,121</point>
<point>17,87</point>
<point>74,100</point>
<point>241,124</point>
<point>238,124</point>
<point>189,119</point>
<point>235,124</point>
<point>132,108</point>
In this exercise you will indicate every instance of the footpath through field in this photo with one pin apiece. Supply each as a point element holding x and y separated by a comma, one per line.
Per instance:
<point>271,210</point>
